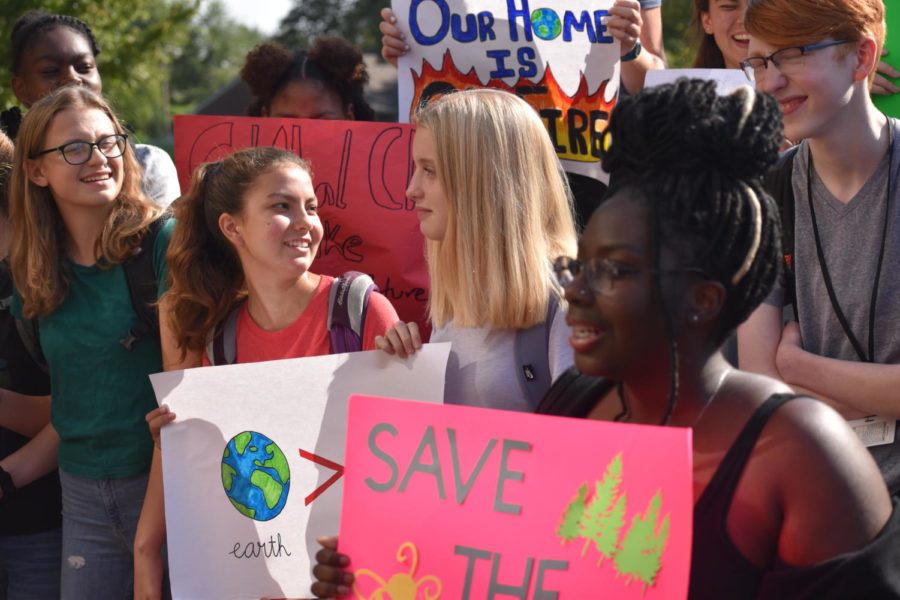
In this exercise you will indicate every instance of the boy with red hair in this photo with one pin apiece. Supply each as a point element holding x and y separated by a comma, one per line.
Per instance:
<point>842,272</point>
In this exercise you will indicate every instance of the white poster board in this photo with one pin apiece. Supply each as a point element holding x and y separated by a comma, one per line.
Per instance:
<point>557,55</point>
<point>266,441</point>
<point>727,80</point>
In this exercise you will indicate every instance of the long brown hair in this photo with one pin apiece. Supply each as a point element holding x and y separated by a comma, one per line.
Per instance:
<point>206,279</point>
<point>38,250</point>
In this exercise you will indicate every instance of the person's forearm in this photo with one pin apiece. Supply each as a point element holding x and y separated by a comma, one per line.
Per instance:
<point>26,415</point>
<point>635,71</point>
<point>35,459</point>
<point>854,388</point>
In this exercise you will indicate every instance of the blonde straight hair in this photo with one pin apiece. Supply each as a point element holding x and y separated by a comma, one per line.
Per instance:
<point>510,211</point>
<point>38,251</point>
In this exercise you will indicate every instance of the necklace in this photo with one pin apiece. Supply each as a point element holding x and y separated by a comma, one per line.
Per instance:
<point>623,416</point>
<point>826,275</point>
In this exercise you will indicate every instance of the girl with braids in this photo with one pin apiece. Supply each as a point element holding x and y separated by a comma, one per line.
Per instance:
<point>51,50</point>
<point>788,504</point>
<point>325,82</point>
<point>78,214</point>
<point>247,234</point>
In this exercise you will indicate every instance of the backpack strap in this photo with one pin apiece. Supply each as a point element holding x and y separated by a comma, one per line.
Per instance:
<point>30,336</point>
<point>221,349</point>
<point>778,184</point>
<point>143,287</point>
<point>348,301</point>
<point>533,358</point>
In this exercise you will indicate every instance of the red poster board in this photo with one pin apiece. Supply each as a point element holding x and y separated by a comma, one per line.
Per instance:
<point>471,503</point>
<point>360,171</point>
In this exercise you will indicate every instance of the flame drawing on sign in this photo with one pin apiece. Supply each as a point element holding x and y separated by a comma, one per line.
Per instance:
<point>576,127</point>
<point>401,586</point>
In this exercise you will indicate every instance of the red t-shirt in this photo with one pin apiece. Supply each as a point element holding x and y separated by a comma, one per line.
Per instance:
<point>308,335</point>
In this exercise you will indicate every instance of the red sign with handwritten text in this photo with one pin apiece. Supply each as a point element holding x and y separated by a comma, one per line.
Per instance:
<point>360,172</point>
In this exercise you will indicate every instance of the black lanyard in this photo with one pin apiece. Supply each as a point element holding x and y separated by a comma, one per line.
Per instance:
<point>870,357</point>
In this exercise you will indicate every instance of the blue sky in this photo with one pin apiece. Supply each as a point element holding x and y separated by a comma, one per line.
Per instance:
<point>262,14</point>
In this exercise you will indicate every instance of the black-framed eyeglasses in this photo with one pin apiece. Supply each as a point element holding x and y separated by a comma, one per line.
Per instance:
<point>786,60</point>
<point>78,153</point>
<point>601,274</point>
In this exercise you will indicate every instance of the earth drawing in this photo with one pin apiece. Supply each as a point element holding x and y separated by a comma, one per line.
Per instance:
<point>546,24</point>
<point>255,475</point>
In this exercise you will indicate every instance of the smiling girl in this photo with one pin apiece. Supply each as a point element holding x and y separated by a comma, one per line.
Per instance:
<point>78,214</point>
<point>248,231</point>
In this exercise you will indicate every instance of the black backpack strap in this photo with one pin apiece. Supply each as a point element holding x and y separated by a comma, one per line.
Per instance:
<point>30,335</point>
<point>778,184</point>
<point>143,287</point>
<point>222,346</point>
<point>532,347</point>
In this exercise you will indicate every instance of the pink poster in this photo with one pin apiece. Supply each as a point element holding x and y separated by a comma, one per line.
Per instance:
<point>469,503</point>
<point>360,171</point>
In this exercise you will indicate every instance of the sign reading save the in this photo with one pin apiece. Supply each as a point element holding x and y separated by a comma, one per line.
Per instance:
<point>459,502</point>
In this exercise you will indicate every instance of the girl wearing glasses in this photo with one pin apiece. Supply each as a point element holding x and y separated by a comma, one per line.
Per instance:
<point>788,504</point>
<point>51,50</point>
<point>79,213</point>
<point>494,209</point>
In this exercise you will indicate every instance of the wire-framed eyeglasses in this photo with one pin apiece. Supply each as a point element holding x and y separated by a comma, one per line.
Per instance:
<point>786,60</point>
<point>601,274</point>
<point>78,153</point>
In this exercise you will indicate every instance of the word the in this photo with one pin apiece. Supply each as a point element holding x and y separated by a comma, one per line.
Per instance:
<point>516,590</point>
<point>258,549</point>
<point>436,470</point>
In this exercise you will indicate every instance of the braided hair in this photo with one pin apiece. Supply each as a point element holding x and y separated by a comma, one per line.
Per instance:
<point>269,67</point>
<point>698,159</point>
<point>28,26</point>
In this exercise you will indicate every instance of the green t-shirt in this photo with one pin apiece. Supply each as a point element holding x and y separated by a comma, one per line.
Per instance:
<point>100,390</point>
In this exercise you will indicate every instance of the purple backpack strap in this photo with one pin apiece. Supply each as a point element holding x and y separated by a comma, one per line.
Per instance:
<point>221,349</point>
<point>348,301</point>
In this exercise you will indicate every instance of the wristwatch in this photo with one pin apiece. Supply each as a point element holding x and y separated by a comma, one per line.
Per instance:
<point>633,53</point>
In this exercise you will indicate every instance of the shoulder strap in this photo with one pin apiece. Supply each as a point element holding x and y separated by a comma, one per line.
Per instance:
<point>725,480</point>
<point>348,301</point>
<point>778,184</point>
<point>221,349</point>
<point>533,357</point>
<point>143,286</point>
<point>30,336</point>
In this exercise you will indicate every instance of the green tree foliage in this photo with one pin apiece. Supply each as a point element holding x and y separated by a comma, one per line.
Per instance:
<point>211,56</point>
<point>568,527</point>
<point>605,514</point>
<point>356,20</point>
<point>138,39</point>
<point>677,32</point>
<point>641,552</point>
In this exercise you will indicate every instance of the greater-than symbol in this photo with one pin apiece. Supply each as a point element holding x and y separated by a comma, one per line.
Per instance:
<point>338,471</point>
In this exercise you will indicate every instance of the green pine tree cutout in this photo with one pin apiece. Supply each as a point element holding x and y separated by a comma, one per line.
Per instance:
<point>604,516</point>
<point>641,551</point>
<point>568,528</point>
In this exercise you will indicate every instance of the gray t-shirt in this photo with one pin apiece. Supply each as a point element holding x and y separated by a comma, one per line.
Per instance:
<point>851,237</point>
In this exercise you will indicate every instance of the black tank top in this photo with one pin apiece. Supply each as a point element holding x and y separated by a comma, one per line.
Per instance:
<point>719,571</point>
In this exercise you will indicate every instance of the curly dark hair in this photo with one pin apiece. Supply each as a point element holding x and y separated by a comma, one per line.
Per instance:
<point>698,159</point>
<point>331,60</point>
<point>26,28</point>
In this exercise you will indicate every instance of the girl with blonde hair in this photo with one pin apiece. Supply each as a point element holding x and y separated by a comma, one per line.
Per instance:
<point>495,211</point>
<point>79,216</point>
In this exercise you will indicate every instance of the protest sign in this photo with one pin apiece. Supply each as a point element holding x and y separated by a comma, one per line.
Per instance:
<point>253,465</point>
<point>890,105</point>
<point>558,56</point>
<point>470,503</point>
<point>360,173</point>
